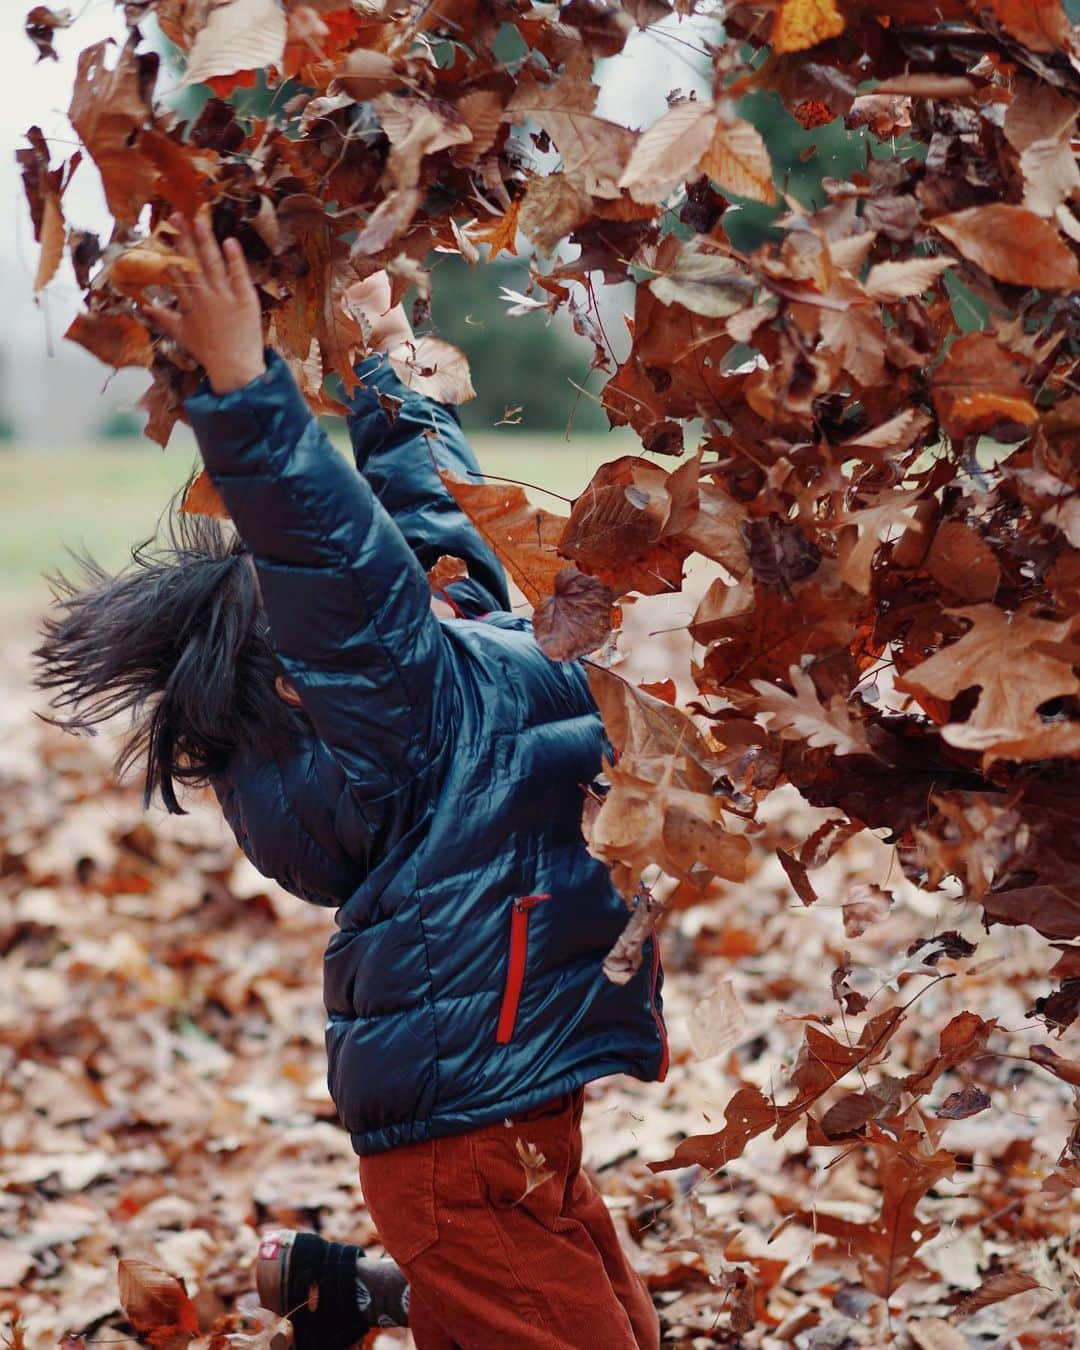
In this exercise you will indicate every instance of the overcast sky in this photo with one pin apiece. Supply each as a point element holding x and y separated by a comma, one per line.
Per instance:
<point>634,86</point>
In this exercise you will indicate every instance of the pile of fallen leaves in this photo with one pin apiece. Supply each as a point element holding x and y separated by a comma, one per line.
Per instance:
<point>163,1099</point>
<point>890,502</point>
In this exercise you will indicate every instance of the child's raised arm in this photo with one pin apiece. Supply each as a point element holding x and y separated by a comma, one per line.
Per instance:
<point>347,601</point>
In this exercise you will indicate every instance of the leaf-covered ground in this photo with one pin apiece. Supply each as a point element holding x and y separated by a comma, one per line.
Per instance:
<point>162,1093</point>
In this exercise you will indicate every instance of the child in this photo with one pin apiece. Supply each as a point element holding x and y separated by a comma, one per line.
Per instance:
<point>424,776</point>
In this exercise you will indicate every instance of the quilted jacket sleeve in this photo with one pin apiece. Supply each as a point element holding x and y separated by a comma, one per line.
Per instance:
<point>399,460</point>
<point>347,601</point>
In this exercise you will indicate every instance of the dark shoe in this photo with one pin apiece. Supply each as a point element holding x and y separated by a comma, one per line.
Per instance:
<point>332,1296</point>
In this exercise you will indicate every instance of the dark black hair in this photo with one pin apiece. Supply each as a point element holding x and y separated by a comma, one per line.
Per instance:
<point>178,640</point>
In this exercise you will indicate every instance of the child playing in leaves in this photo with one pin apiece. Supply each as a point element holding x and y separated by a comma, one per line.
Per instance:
<point>422,774</point>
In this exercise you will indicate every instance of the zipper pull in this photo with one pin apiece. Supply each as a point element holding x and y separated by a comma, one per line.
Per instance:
<point>524,903</point>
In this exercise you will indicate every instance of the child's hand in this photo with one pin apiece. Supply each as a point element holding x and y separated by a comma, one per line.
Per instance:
<point>217,318</point>
<point>389,327</point>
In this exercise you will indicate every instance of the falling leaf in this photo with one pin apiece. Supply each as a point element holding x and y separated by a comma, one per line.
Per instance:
<point>863,906</point>
<point>802,24</point>
<point>802,714</point>
<point>203,499</point>
<point>969,1101</point>
<point>435,369</point>
<point>1005,1284</point>
<point>1005,721</point>
<point>670,151</point>
<point>238,35</point>
<point>533,1165</point>
<point>711,284</point>
<point>117,339</point>
<point>980,386</point>
<point>717,1022</point>
<point>576,618</point>
<point>446,570</point>
<point>898,280</point>
<point>108,110</point>
<point>798,876</point>
<point>738,159</point>
<point>52,242</point>
<point>502,234</point>
<point>524,537</point>
<point>1012,245</point>
<point>41,24</point>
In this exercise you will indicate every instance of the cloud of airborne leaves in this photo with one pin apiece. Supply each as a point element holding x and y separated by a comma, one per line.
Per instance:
<point>891,500</point>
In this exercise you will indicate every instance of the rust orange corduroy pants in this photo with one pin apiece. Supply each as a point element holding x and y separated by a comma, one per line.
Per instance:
<point>493,1268</point>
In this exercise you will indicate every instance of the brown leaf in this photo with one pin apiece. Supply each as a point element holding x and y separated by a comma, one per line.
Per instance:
<point>962,1039</point>
<point>865,904</point>
<point>1012,245</point>
<point>108,110</point>
<point>576,618</point>
<point>118,340</point>
<point>446,570</point>
<point>798,876</point>
<point>995,1288</point>
<point>435,369</point>
<point>588,144</point>
<point>552,207</point>
<point>524,537</point>
<point>748,1114</point>
<point>670,151</point>
<point>801,715</point>
<point>969,1101</point>
<point>41,24</point>
<point>156,1304</point>
<point>52,242</point>
<point>1066,1069</point>
<point>1041,25</point>
<point>1005,721</point>
<point>979,387</point>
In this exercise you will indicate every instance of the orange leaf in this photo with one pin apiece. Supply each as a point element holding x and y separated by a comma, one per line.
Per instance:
<point>1012,245</point>
<point>802,24</point>
<point>117,339</point>
<point>203,499</point>
<point>501,233</point>
<point>523,536</point>
<point>1041,25</point>
<point>156,1304</point>
<point>979,386</point>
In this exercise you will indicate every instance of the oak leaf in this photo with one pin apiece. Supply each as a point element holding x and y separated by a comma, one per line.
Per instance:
<point>801,715</point>
<point>435,369</point>
<point>995,1288</point>
<point>1005,721</point>
<point>41,24</point>
<point>203,499</point>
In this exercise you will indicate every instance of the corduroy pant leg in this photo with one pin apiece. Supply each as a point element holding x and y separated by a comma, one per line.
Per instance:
<point>505,1241</point>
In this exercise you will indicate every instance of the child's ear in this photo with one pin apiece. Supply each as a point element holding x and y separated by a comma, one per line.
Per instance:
<point>287,691</point>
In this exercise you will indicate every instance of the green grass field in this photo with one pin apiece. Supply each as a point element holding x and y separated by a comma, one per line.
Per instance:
<point>106,497</point>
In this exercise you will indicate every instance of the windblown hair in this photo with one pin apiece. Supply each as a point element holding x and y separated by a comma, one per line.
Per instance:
<point>179,641</point>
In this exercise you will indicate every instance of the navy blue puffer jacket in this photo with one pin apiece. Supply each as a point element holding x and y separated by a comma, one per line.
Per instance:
<point>436,801</point>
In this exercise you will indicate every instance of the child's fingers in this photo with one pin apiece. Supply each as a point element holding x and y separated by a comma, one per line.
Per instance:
<point>238,270</point>
<point>209,254</point>
<point>168,320</point>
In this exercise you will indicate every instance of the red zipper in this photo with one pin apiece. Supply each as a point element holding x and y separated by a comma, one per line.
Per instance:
<point>665,1056</point>
<point>515,972</point>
